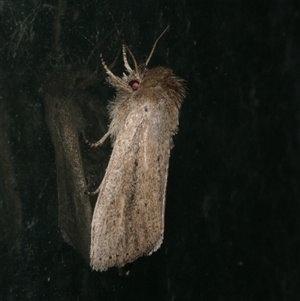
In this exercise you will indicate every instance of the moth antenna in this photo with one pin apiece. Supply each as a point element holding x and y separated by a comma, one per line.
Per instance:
<point>128,68</point>
<point>153,48</point>
<point>113,64</point>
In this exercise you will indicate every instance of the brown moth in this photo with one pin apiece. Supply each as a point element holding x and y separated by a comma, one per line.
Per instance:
<point>128,219</point>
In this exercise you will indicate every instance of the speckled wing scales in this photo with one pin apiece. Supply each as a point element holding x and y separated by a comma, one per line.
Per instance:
<point>128,220</point>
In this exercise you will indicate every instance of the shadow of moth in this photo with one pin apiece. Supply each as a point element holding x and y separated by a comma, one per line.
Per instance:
<point>128,219</point>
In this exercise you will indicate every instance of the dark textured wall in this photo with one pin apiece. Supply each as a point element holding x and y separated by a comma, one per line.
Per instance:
<point>232,216</point>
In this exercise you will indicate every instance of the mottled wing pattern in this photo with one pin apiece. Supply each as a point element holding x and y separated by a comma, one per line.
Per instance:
<point>131,201</point>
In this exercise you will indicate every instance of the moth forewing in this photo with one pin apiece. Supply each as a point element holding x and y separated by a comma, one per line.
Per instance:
<point>128,219</point>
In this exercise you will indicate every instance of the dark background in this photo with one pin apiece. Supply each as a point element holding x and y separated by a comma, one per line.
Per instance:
<point>232,215</point>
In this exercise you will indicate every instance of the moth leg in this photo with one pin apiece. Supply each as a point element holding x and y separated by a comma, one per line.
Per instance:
<point>90,193</point>
<point>126,65</point>
<point>98,143</point>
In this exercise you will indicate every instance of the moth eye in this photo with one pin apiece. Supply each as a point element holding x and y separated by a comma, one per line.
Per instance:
<point>134,85</point>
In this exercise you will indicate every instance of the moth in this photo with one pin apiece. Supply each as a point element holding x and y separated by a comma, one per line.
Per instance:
<point>128,219</point>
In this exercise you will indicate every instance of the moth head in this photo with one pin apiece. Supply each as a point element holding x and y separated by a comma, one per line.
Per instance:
<point>134,78</point>
<point>134,84</point>
<point>137,73</point>
<point>130,82</point>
